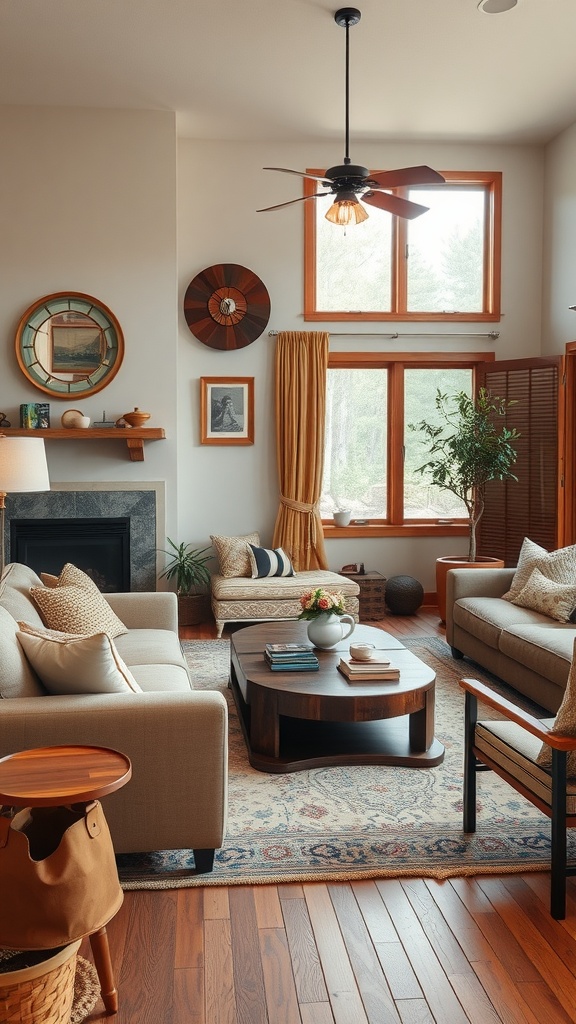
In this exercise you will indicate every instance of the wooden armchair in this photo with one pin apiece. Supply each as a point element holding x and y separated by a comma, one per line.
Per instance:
<point>510,748</point>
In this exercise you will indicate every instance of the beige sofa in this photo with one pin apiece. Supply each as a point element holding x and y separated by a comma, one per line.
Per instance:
<point>525,648</point>
<point>176,737</point>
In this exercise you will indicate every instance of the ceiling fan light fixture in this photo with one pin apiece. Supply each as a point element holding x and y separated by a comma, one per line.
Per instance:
<point>346,210</point>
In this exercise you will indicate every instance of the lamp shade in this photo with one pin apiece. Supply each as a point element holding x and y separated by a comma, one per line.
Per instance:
<point>23,465</point>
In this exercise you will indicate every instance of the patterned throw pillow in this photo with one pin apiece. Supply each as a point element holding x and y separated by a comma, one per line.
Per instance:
<point>68,663</point>
<point>558,600</point>
<point>233,554</point>
<point>269,562</point>
<point>76,605</point>
<point>564,723</point>
<point>559,566</point>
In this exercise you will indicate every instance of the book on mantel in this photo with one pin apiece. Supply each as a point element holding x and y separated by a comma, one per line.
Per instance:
<point>375,670</point>
<point>291,658</point>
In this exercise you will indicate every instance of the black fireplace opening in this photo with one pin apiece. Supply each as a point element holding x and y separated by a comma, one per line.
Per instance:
<point>100,547</point>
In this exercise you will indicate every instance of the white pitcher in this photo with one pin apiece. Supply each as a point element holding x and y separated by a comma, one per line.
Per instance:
<point>328,629</point>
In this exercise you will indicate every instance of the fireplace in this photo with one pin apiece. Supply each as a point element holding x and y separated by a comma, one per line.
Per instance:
<point>83,508</point>
<point>100,547</point>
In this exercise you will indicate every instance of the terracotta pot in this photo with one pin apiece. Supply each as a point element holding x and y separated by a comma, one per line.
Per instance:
<point>458,562</point>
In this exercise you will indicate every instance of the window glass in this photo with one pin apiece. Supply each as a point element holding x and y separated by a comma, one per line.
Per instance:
<point>353,264</point>
<point>355,453</point>
<point>422,499</point>
<point>446,251</point>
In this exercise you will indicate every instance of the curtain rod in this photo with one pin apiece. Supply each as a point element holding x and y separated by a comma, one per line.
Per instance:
<point>378,334</point>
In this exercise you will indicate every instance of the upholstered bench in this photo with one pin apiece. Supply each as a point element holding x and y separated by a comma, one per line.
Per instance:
<point>242,599</point>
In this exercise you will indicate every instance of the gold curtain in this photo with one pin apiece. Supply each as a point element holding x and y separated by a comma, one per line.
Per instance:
<point>300,387</point>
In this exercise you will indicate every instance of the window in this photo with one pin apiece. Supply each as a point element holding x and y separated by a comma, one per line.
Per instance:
<point>444,265</point>
<point>371,456</point>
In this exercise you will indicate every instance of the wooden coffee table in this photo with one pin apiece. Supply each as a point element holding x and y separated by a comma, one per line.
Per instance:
<point>297,720</point>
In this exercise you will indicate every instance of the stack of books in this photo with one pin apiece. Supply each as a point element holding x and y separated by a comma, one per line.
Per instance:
<point>291,658</point>
<point>377,669</point>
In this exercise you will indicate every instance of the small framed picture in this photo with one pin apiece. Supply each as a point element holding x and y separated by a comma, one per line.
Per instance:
<point>227,410</point>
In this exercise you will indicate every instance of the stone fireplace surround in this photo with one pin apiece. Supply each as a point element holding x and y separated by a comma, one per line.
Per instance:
<point>142,501</point>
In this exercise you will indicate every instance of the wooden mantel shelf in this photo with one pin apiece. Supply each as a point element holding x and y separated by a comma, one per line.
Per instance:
<point>134,437</point>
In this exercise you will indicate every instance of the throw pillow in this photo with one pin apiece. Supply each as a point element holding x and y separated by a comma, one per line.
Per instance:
<point>269,562</point>
<point>76,664</point>
<point>76,605</point>
<point>564,723</point>
<point>48,579</point>
<point>559,566</point>
<point>558,600</point>
<point>233,554</point>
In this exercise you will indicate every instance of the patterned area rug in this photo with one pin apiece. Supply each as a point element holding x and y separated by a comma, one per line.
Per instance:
<point>357,822</point>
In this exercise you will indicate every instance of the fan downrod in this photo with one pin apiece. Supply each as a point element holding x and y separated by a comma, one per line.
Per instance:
<point>347,16</point>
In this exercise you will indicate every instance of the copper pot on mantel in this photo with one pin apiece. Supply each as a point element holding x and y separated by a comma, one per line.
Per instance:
<point>136,418</point>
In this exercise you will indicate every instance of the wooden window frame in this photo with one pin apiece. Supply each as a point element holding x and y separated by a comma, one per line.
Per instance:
<point>395,363</point>
<point>491,181</point>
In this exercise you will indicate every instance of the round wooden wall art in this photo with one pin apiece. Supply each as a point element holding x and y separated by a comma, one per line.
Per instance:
<point>226,306</point>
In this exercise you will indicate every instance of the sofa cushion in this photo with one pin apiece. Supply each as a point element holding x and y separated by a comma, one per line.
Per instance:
<point>232,553</point>
<point>557,600</point>
<point>150,647</point>
<point>17,677</point>
<point>565,722</point>
<point>544,649</point>
<point>15,593</point>
<point>76,664</point>
<point>486,617</point>
<point>559,566</point>
<point>162,678</point>
<point>76,605</point>
<point>280,588</point>
<point>266,562</point>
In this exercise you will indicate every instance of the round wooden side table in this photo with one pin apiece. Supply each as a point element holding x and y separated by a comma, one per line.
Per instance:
<point>61,775</point>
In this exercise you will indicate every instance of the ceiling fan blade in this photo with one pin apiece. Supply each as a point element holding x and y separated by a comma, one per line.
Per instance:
<point>290,201</point>
<point>394,204</point>
<point>301,174</point>
<point>408,176</point>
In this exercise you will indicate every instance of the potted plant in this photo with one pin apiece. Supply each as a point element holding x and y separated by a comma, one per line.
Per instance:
<point>468,447</point>
<point>188,567</point>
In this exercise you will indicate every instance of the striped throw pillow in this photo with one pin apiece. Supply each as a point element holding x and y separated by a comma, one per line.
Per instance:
<point>269,562</point>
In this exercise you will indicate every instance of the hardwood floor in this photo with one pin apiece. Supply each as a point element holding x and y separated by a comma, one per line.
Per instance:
<point>410,951</point>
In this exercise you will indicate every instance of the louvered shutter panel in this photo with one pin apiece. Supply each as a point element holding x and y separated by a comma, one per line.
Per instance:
<point>527,508</point>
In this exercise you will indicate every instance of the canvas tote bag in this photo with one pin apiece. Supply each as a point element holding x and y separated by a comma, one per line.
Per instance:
<point>58,875</point>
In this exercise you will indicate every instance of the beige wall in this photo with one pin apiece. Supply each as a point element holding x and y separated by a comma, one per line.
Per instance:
<point>559,321</point>
<point>108,203</point>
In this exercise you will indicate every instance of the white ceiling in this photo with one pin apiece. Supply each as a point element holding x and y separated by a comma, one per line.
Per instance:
<point>274,69</point>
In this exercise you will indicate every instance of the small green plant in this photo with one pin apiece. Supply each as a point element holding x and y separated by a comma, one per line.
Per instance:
<point>187,566</point>
<point>468,449</point>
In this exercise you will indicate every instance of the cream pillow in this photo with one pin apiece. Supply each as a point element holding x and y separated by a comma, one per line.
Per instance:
<point>75,605</point>
<point>559,566</point>
<point>558,600</point>
<point>68,664</point>
<point>233,554</point>
<point>564,723</point>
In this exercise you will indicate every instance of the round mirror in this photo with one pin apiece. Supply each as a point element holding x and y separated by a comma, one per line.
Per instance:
<point>69,344</point>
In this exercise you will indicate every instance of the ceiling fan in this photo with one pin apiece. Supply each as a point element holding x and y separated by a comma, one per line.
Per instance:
<point>347,182</point>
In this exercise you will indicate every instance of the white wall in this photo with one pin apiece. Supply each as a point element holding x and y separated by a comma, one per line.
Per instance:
<point>559,321</point>
<point>220,186</point>
<point>88,203</point>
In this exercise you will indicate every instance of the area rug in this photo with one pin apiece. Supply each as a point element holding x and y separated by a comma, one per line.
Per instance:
<point>329,824</point>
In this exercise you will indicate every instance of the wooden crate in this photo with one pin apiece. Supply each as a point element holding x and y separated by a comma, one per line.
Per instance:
<point>371,597</point>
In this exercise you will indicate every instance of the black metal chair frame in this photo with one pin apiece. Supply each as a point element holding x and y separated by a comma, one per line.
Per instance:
<point>476,761</point>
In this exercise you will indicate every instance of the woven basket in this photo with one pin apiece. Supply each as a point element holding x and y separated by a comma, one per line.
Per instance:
<point>41,994</point>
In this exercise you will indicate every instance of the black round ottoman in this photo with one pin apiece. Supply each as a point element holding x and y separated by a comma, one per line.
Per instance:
<point>403,595</point>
